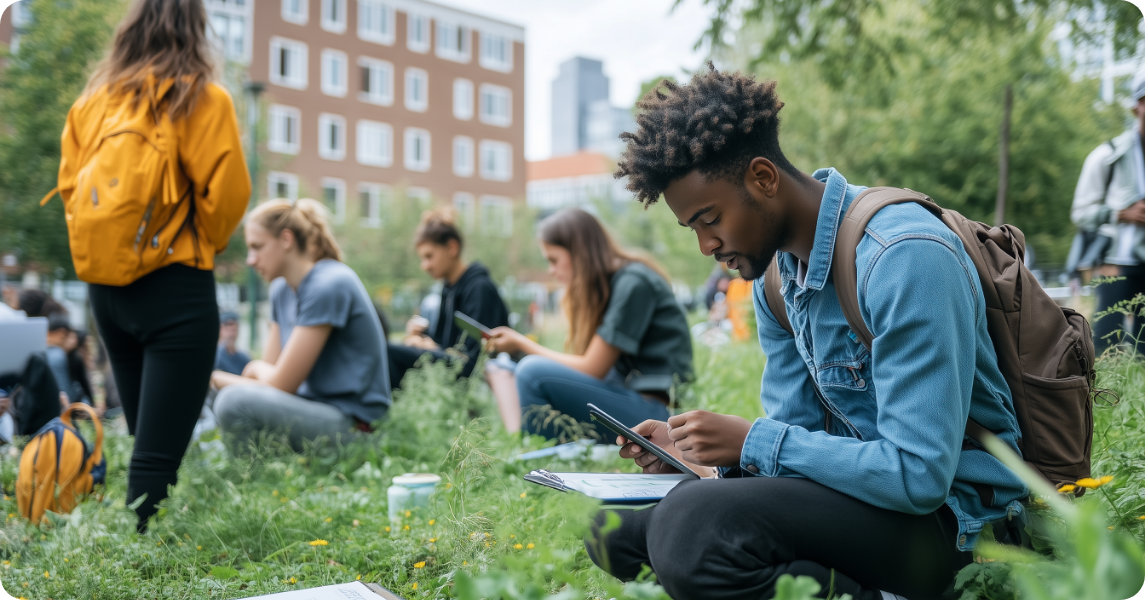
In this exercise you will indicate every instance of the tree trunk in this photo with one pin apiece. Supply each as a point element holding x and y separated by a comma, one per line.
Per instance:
<point>1004,157</point>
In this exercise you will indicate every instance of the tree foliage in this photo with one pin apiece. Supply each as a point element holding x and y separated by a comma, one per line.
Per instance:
<point>38,86</point>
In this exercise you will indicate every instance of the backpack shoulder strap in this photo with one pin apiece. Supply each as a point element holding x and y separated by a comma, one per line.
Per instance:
<point>771,293</point>
<point>850,233</point>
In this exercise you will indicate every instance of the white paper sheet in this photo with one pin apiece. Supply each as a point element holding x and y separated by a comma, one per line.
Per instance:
<point>621,486</point>
<point>342,591</point>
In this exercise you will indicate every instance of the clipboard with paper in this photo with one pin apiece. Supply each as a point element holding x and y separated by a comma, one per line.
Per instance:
<point>618,488</point>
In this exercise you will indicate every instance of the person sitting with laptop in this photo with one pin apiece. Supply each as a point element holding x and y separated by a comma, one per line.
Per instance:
<point>628,342</point>
<point>467,289</point>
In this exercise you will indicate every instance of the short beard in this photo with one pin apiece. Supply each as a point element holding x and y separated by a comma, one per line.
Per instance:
<point>757,263</point>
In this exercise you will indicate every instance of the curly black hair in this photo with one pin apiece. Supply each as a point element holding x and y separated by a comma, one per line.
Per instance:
<point>717,123</point>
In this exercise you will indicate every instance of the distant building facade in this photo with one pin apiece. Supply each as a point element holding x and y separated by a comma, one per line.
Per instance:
<point>582,118</point>
<point>572,180</point>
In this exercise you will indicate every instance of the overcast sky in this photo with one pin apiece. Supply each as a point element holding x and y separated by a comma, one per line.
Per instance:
<point>636,39</point>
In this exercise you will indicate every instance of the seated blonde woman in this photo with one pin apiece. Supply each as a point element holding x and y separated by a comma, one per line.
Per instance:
<point>325,369</point>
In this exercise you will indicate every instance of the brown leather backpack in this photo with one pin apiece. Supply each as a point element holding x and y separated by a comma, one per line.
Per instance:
<point>1045,351</point>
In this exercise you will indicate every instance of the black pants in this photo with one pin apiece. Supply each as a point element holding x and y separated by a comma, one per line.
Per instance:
<point>160,333</point>
<point>1109,294</point>
<point>734,538</point>
<point>403,358</point>
<point>37,400</point>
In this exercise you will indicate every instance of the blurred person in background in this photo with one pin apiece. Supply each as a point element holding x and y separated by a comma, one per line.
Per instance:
<point>229,358</point>
<point>628,342</point>
<point>467,288</point>
<point>38,303</point>
<point>1109,205</point>
<point>161,328</point>
<point>325,371</point>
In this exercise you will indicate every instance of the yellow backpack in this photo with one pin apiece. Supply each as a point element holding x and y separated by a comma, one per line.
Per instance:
<point>126,192</point>
<point>57,468</point>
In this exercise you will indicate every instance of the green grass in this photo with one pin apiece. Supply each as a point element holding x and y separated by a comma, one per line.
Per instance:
<point>237,527</point>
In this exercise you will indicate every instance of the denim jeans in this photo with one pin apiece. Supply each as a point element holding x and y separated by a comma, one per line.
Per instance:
<point>544,383</point>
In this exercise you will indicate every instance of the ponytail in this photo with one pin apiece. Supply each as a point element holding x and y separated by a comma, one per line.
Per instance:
<point>306,219</point>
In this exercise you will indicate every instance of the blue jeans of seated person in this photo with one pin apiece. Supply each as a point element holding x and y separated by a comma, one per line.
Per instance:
<point>543,383</point>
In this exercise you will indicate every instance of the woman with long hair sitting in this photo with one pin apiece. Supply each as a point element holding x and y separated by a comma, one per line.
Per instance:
<point>628,342</point>
<point>467,289</point>
<point>325,370</point>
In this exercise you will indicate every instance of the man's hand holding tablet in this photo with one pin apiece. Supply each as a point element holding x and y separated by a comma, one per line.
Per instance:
<point>700,439</point>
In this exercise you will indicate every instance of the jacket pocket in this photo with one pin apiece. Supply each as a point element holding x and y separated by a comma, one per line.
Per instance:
<point>1060,421</point>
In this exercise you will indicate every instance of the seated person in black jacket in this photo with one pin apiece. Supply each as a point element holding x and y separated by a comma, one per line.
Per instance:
<point>468,289</point>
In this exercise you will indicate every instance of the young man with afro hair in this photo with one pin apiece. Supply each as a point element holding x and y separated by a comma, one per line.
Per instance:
<point>861,475</point>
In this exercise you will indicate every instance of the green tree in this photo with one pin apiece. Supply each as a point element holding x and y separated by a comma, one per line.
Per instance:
<point>37,87</point>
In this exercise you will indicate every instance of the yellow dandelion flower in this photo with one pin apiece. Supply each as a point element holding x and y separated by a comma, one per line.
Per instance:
<point>387,528</point>
<point>1141,518</point>
<point>530,546</point>
<point>319,543</point>
<point>1110,528</point>
<point>359,577</point>
<point>179,543</point>
<point>517,546</point>
<point>432,521</point>
<point>198,547</point>
<point>282,500</point>
<point>66,560</point>
<point>523,494</point>
<point>1067,488</point>
<point>1105,480</point>
<point>408,513</point>
<point>292,581</point>
<point>512,536</point>
<point>25,584</point>
<point>464,563</point>
<point>274,493</point>
<point>448,485</point>
<point>406,528</point>
<point>414,586</point>
<point>1088,482</point>
<point>419,565</point>
<point>328,519</point>
<point>487,544</point>
<point>47,575</point>
<point>432,540</point>
<point>8,563</point>
<point>11,515</point>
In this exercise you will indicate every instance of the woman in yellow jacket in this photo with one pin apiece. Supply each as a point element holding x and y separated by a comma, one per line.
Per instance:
<point>151,271</point>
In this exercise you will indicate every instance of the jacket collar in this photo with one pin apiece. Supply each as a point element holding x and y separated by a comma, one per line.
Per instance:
<point>831,209</point>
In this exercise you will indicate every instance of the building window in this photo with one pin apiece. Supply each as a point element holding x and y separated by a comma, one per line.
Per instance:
<point>295,11</point>
<point>229,34</point>
<point>282,186</point>
<point>466,208</point>
<point>496,216</point>
<point>285,129</point>
<point>377,81</point>
<point>496,105</point>
<point>417,34</point>
<point>496,160</point>
<point>463,99</point>
<point>21,15</point>
<point>417,90</point>
<point>334,73</point>
<point>375,144</point>
<point>496,52</point>
<point>452,41</point>
<point>375,22</point>
<point>463,156</point>
<point>334,197</point>
<point>288,63</point>
<point>331,137</point>
<point>371,198</point>
<point>416,149</point>
<point>334,15</point>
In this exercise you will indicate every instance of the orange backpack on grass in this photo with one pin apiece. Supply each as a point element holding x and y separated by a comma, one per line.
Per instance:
<point>57,469</point>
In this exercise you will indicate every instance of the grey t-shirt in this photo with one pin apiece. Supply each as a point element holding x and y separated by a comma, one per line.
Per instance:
<point>644,321</point>
<point>352,371</point>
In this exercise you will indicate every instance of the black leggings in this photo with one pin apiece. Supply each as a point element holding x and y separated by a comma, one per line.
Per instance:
<point>734,538</point>
<point>1109,294</point>
<point>160,332</point>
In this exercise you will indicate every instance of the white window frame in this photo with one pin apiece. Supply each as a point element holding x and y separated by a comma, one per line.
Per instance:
<point>389,22</point>
<point>329,86</point>
<point>411,162</point>
<point>376,194</point>
<point>223,39</point>
<point>412,103</point>
<point>339,187</point>
<point>333,25</point>
<point>299,18</point>
<point>463,99</point>
<point>502,65</point>
<point>379,69</point>
<point>503,229</point>
<point>447,31</point>
<point>488,89</point>
<point>274,178</point>
<point>364,131</point>
<point>297,80</point>
<point>464,156</point>
<point>414,22</point>
<point>489,146</point>
<point>466,206</point>
<point>274,139</point>
<point>324,149</point>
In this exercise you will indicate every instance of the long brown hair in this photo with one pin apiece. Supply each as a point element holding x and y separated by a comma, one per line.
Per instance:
<point>306,219</point>
<point>595,258</point>
<point>164,38</point>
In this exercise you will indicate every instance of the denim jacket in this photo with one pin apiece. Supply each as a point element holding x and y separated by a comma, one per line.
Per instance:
<point>896,436</point>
